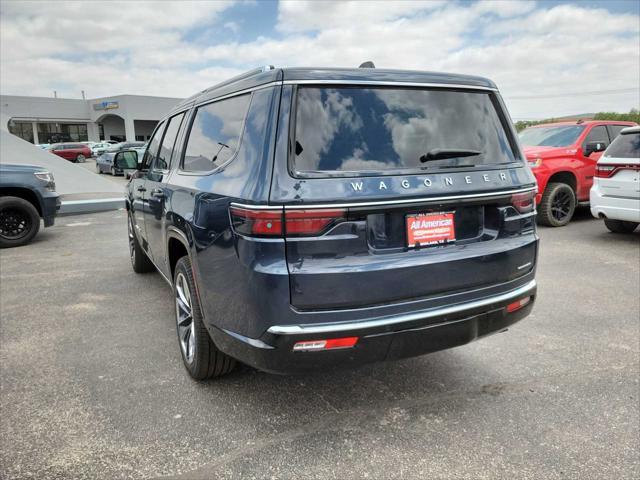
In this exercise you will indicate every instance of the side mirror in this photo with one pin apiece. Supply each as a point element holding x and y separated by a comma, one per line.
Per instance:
<point>126,160</point>
<point>592,147</point>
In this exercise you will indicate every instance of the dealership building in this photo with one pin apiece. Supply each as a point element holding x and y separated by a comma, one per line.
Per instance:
<point>52,120</point>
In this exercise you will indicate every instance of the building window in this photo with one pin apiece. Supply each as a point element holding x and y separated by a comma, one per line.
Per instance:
<point>101,129</point>
<point>24,130</point>
<point>62,132</point>
<point>139,138</point>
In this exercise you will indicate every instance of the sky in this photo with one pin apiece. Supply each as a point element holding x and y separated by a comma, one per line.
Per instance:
<point>548,58</point>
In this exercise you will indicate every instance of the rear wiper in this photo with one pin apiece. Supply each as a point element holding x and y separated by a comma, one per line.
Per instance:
<point>441,153</point>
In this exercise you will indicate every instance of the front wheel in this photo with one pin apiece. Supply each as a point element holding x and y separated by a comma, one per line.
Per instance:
<point>98,169</point>
<point>80,158</point>
<point>557,206</point>
<point>201,357</point>
<point>139,260</point>
<point>620,226</point>
<point>19,222</point>
<point>113,171</point>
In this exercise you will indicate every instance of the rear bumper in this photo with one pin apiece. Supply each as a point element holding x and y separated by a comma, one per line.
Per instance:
<point>615,208</point>
<point>382,338</point>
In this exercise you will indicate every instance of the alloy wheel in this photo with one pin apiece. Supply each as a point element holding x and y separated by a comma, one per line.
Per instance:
<point>561,206</point>
<point>14,224</point>
<point>184,318</point>
<point>132,239</point>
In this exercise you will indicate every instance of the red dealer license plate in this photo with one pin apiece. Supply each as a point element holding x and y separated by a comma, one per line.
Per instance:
<point>425,229</point>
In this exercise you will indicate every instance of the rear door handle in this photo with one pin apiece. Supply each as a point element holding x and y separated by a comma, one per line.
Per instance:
<point>157,193</point>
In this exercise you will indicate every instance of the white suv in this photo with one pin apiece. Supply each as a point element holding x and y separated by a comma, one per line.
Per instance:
<point>615,195</point>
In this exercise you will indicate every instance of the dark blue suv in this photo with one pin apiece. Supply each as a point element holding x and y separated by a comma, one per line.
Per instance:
<point>312,218</point>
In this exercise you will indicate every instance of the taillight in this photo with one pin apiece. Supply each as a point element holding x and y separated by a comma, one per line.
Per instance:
<point>311,222</point>
<point>260,223</point>
<point>524,202</point>
<point>272,222</point>
<point>608,171</point>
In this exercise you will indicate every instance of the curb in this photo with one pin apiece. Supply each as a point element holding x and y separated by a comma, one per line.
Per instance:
<point>73,207</point>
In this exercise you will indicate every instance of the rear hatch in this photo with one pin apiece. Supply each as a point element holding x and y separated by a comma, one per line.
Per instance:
<point>393,194</point>
<point>618,170</point>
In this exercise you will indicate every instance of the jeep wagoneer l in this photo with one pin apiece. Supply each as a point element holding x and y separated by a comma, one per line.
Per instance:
<point>314,218</point>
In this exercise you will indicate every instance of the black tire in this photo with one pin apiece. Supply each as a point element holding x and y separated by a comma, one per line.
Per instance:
<point>557,206</point>
<point>98,169</point>
<point>81,159</point>
<point>113,171</point>
<point>205,360</point>
<point>139,260</point>
<point>620,226</point>
<point>19,222</point>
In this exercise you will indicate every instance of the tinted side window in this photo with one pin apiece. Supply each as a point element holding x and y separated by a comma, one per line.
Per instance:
<point>215,133</point>
<point>152,150</point>
<point>164,155</point>
<point>597,134</point>
<point>614,130</point>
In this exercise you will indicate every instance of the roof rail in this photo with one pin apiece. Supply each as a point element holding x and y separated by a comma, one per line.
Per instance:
<point>242,76</point>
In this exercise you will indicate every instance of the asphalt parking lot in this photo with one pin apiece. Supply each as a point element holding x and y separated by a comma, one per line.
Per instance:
<point>93,385</point>
<point>90,164</point>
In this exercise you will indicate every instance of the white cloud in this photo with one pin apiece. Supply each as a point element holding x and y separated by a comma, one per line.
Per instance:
<point>139,47</point>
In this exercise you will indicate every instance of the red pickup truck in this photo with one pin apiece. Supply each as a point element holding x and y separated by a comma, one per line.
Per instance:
<point>563,158</point>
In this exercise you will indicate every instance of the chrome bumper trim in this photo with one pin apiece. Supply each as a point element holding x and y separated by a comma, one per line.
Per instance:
<point>394,320</point>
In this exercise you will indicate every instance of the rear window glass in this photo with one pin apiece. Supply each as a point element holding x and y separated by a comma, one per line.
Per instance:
<point>215,133</point>
<point>625,146</point>
<point>384,129</point>
<point>561,136</point>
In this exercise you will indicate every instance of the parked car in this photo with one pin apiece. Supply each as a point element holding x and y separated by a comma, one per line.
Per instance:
<point>99,148</point>
<point>615,195</point>
<point>27,193</point>
<point>125,146</point>
<point>563,157</point>
<point>314,218</point>
<point>76,152</point>
<point>43,146</point>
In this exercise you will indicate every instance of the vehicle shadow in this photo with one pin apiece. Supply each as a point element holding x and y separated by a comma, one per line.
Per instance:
<point>377,386</point>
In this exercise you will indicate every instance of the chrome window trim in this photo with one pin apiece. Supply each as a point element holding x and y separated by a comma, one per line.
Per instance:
<point>235,94</point>
<point>388,84</point>
<point>398,319</point>
<point>374,203</point>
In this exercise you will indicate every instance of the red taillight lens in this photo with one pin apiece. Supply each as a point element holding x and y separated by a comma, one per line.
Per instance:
<point>329,344</point>
<point>273,222</point>
<point>524,202</point>
<point>263,223</point>
<point>515,306</point>
<point>608,171</point>
<point>311,222</point>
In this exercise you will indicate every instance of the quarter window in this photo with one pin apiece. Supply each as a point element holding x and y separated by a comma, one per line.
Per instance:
<point>215,134</point>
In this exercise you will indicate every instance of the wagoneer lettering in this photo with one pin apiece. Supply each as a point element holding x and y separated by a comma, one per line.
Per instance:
<point>316,218</point>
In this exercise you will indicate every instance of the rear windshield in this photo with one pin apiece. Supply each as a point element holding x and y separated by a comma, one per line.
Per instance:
<point>551,136</point>
<point>624,146</point>
<point>380,130</point>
